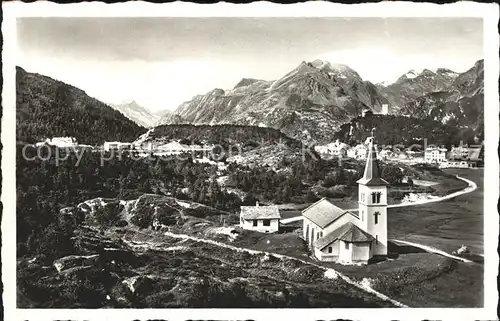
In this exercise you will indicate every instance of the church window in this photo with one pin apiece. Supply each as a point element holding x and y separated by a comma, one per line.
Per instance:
<point>346,246</point>
<point>330,250</point>
<point>254,222</point>
<point>376,197</point>
<point>375,215</point>
<point>320,234</point>
<point>266,222</point>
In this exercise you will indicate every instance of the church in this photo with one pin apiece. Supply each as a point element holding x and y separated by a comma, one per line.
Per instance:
<point>337,235</point>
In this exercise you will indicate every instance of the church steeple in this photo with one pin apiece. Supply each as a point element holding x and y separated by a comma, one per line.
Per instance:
<point>373,201</point>
<point>371,175</point>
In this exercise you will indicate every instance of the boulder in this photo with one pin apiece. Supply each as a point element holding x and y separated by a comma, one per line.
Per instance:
<point>72,261</point>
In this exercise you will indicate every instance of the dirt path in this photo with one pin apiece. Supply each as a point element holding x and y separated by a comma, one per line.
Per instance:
<point>472,187</point>
<point>328,271</point>
<point>431,249</point>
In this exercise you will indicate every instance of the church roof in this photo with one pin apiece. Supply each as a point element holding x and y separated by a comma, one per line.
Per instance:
<point>356,235</point>
<point>348,232</point>
<point>323,213</point>
<point>259,212</point>
<point>371,176</point>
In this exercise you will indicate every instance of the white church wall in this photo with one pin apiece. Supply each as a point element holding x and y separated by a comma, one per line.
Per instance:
<point>345,254</point>
<point>320,255</point>
<point>308,229</point>
<point>360,252</point>
<point>324,254</point>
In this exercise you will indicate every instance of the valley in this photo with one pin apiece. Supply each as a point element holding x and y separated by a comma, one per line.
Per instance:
<point>135,227</point>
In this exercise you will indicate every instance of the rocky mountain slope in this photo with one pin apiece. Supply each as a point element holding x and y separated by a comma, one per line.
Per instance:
<point>308,103</point>
<point>459,103</point>
<point>144,262</point>
<point>137,113</point>
<point>46,107</point>
<point>414,84</point>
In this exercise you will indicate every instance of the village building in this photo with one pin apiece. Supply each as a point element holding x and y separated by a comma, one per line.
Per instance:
<point>61,142</point>
<point>336,148</point>
<point>366,112</point>
<point>176,148</point>
<point>260,218</point>
<point>459,164</point>
<point>385,109</point>
<point>358,152</point>
<point>435,155</point>
<point>334,234</point>
<point>108,146</point>
<point>466,152</point>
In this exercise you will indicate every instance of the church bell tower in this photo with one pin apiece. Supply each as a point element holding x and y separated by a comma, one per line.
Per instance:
<point>372,200</point>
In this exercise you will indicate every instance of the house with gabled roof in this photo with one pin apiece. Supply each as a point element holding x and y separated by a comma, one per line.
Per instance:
<point>260,218</point>
<point>334,234</point>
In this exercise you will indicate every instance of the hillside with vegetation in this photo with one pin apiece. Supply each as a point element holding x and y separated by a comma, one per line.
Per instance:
<point>394,130</point>
<point>47,108</point>
<point>224,135</point>
<point>89,248</point>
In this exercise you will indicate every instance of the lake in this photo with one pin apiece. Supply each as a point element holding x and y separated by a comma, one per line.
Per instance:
<point>447,224</point>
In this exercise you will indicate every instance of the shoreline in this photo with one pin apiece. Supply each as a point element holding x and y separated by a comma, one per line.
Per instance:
<point>472,186</point>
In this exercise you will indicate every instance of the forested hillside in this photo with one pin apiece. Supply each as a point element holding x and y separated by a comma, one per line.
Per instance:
<point>392,130</point>
<point>46,108</point>
<point>224,135</point>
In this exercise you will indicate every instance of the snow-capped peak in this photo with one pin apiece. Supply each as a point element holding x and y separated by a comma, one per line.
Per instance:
<point>412,74</point>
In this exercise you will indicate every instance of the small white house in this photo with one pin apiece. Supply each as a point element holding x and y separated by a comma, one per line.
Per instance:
<point>61,142</point>
<point>260,218</point>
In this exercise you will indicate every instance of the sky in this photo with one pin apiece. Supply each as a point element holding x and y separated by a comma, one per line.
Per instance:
<point>163,62</point>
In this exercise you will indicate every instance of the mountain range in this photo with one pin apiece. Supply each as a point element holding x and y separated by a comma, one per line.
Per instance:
<point>138,114</point>
<point>451,98</point>
<point>308,103</point>
<point>311,102</point>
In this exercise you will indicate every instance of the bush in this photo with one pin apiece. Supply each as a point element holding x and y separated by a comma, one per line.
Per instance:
<point>159,300</point>
<point>121,223</point>
<point>143,218</point>
<point>108,215</point>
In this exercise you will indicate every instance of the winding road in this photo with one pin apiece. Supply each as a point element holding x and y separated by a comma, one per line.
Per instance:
<point>470,188</point>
